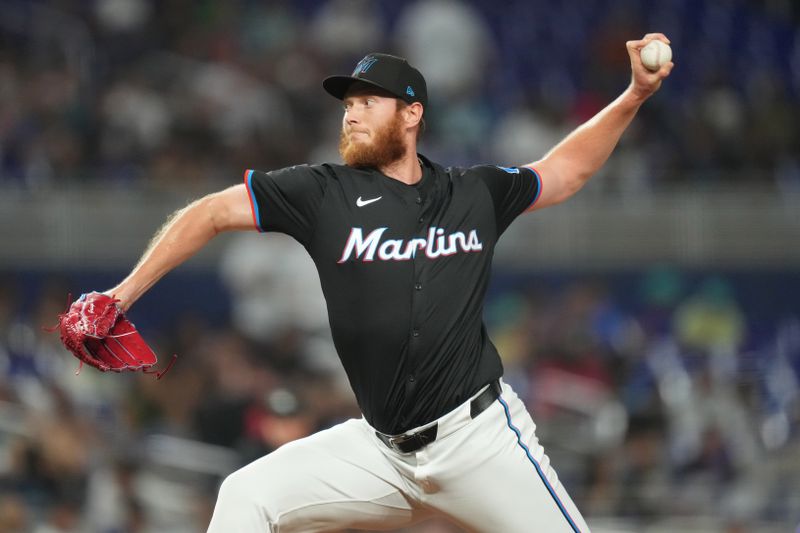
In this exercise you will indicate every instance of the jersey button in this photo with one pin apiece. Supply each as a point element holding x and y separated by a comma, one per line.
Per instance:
<point>418,286</point>
<point>415,333</point>
<point>421,219</point>
<point>419,199</point>
<point>411,379</point>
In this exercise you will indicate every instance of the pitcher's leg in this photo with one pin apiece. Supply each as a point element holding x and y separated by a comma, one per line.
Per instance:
<point>332,480</point>
<point>496,477</point>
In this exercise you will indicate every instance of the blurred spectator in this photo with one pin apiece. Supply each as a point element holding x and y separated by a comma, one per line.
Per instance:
<point>449,42</point>
<point>13,514</point>
<point>275,290</point>
<point>275,420</point>
<point>660,290</point>
<point>274,285</point>
<point>524,135</point>
<point>62,517</point>
<point>343,29</point>
<point>644,474</point>
<point>710,320</point>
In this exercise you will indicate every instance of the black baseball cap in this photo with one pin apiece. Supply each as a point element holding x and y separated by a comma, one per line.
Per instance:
<point>388,72</point>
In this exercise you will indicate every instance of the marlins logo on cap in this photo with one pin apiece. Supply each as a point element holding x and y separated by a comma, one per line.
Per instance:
<point>364,65</point>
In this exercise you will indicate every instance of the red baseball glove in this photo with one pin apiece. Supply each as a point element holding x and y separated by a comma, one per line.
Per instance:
<point>99,334</point>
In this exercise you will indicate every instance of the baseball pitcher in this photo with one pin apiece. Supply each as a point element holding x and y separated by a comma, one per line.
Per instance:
<point>403,247</point>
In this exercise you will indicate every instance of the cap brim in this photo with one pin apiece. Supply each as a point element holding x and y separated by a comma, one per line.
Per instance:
<point>337,86</point>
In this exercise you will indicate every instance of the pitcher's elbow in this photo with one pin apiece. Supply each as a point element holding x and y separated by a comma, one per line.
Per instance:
<point>570,188</point>
<point>213,213</point>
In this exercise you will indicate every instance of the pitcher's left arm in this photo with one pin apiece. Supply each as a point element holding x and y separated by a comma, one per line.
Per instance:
<point>570,164</point>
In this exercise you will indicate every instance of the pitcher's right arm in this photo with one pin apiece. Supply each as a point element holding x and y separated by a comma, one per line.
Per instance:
<point>183,234</point>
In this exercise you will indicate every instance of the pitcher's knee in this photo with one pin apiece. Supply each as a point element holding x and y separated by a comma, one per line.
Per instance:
<point>240,494</point>
<point>241,507</point>
<point>259,495</point>
<point>233,486</point>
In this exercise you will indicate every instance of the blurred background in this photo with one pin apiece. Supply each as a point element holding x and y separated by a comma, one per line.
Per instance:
<point>652,323</point>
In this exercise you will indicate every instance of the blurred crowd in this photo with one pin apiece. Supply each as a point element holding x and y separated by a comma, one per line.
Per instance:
<point>658,395</point>
<point>187,94</point>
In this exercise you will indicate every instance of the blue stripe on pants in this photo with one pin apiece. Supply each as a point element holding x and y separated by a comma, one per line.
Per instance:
<point>538,468</point>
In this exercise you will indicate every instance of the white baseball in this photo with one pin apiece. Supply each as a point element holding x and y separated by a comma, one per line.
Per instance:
<point>655,54</point>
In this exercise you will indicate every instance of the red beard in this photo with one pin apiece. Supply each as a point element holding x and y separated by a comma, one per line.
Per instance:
<point>387,146</point>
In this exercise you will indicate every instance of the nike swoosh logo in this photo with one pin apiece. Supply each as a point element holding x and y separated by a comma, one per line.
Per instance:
<point>362,203</point>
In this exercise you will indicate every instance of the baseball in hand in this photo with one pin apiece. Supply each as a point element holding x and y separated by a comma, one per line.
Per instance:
<point>655,54</point>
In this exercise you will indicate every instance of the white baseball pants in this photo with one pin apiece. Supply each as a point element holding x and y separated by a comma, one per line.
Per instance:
<point>488,475</point>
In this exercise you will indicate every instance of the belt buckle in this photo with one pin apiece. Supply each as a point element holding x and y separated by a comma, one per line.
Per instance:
<point>395,441</point>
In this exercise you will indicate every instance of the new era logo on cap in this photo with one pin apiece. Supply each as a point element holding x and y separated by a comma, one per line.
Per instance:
<point>388,72</point>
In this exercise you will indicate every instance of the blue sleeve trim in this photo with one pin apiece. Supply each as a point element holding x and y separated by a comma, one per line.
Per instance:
<point>248,181</point>
<point>538,187</point>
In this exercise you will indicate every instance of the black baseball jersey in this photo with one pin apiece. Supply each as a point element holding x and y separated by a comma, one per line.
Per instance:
<point>404,269</point>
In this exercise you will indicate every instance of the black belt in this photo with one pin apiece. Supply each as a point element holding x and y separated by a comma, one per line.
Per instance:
<point>411,443</point>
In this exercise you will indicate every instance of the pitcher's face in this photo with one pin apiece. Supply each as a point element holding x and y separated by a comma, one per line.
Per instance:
<point>372,128</point>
